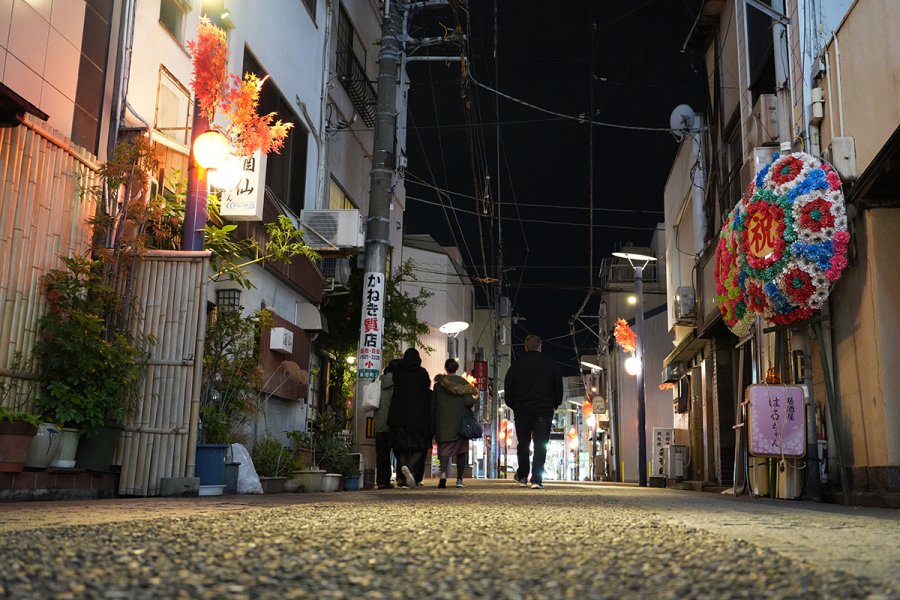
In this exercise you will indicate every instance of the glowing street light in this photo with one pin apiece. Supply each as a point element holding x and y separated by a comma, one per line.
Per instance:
<point>638,260</point>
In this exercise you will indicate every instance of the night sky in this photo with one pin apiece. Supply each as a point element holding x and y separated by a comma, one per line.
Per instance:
<point>540,179</point>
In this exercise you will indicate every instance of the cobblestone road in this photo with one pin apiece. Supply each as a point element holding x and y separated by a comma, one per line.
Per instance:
<point>489,540</point>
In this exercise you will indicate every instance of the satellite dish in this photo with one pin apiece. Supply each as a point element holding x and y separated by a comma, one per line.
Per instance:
<point>681,120</point>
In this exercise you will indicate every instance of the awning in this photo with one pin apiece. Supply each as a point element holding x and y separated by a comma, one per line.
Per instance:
<point>686,350</point>
<point>311,319</point>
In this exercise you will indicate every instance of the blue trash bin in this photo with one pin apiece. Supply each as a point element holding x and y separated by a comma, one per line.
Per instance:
<point>210,467</point>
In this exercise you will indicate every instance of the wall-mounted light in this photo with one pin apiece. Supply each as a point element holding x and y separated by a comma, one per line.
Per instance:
<point>211,150</point>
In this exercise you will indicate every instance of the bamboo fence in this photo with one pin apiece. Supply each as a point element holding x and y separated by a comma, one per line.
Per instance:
<point>42,216</point>
<point>161,437</point>
<point>43,213</point>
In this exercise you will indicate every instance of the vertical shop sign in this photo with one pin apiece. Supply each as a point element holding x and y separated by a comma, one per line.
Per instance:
<point>662,437</point>
<point>245,201</point>
<point>370,334</point>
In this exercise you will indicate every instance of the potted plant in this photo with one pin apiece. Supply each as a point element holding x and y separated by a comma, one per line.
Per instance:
<point>273,461</point>
<point>90,366</point>
<point>307,473</point>
<point>231,382</point>
<point>17,429</point>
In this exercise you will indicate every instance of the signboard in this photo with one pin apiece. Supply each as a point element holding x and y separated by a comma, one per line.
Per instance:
<point>480,373</point>
<point>662,437</point>
<point>245,201</point>
<point>762,231</point>
<point>777,417</point>
<point>371,330</point>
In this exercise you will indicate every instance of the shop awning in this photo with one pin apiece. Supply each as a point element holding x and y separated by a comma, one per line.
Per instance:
<point>686,350</point>
<point>311,319</point>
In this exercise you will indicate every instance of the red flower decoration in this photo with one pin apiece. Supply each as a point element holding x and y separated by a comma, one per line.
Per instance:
<point>816,215</point>
<point>798,285</point>
<point>786,170</point>
<point>756,298</point>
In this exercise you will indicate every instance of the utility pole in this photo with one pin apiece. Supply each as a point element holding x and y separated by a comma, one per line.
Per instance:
<point>392,57</point>
<point>377,224</point>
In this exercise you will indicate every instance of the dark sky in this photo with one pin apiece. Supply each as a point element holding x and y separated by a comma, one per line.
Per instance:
<point>540,179</point>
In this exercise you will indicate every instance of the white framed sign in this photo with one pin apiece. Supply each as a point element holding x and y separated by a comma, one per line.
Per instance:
<point>245,201</point>
<point>662,437</point>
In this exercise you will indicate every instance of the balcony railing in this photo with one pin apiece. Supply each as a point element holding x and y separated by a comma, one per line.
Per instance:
<point>352,75</point>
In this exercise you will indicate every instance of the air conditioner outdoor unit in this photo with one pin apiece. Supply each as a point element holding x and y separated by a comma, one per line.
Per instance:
<point>685,305</point>
<point>281,340</point>
<point>673,372</point>
<point>674,460</point>
<point>331,229</point>
<point>763,124</point>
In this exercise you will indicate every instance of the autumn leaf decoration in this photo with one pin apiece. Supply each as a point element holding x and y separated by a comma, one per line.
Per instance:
<point>625,336</point>
<point>237,99</point>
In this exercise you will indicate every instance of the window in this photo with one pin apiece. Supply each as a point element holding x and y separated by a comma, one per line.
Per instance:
<point>173,108</point>
<point>286,170</point>
<point>338,198</point>
<point>171,16</point>
<point>760,51</point>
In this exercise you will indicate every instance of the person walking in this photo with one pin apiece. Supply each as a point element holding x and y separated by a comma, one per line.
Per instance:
<point>409,417</point>
<point>533,391</point>
<point>383,431</point>
<point>452,395</point>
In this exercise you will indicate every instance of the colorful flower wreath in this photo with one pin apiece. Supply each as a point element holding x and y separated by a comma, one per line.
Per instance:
<point>793,238</point>
<point>729,294</point>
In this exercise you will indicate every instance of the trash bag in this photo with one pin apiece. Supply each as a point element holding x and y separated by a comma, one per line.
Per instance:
<point>248,480</point>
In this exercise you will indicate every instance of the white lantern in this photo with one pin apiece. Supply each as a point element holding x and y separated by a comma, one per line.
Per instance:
<point>632,365</point>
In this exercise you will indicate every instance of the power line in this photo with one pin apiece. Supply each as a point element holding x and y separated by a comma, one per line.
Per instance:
<point>541,221</point>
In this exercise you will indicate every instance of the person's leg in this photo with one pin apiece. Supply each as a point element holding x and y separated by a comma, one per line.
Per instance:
<point>523,434</point>
<point>421,465</point>
<point>414,458</point>
<point>402,455</point>
<point>460,466</point>
<point>382,459</point>
<point>542,423</point>
<point>444,459</point>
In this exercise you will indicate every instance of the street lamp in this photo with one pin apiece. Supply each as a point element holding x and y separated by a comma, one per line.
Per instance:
<point>453,329</point>
<point>638,261</point>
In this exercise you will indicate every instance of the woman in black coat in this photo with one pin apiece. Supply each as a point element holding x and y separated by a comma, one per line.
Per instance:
<point>409,418</point>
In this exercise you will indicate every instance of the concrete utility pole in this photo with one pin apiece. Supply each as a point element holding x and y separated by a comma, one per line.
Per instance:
<point>381,177</point>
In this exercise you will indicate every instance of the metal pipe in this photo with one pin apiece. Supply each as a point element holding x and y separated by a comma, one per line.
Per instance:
<point>639,352</point>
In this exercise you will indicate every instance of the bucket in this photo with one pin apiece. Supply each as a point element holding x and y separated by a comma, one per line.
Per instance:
<point>330,482</point>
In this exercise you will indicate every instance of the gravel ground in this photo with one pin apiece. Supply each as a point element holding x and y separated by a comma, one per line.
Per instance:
<point>484,541</point>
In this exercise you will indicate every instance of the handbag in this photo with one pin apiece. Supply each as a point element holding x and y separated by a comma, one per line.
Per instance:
<point>372,395</point>
<point>469,427</point>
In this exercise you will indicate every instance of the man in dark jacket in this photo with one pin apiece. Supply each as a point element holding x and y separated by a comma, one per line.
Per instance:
<point>534,391</point>
<point>409,416</point>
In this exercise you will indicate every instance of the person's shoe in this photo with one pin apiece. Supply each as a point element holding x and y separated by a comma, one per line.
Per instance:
<point>420,484</point>
<point>459,483</point>
<point>537,486</point>
<point>385,486</point>
<point>407,474</point>
<point>523,482</point>
<point>442,483</point>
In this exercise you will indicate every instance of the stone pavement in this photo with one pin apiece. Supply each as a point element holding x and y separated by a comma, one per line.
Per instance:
<point>489,540</point>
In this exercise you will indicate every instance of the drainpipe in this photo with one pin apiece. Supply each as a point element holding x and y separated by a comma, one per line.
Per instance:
<point>840,87</point>
<point>322,138</point>
<point>697,185</point>
<point>782,80</point>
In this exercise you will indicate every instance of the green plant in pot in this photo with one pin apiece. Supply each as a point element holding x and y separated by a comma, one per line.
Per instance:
<point>90,365</point>
<point>232,376</point>
<point>17,428</point>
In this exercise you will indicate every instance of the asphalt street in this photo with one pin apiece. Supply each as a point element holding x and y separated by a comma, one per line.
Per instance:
<point>488,540</point>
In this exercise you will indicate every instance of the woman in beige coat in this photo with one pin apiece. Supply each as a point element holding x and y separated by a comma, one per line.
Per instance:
<point>452,395</point>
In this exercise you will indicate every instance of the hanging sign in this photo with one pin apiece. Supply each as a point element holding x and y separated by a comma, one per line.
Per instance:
<point>480,371</point>
<point>370,333</point>
<point>244,202</point>
<point>662,437</point>
<point>777,420</point>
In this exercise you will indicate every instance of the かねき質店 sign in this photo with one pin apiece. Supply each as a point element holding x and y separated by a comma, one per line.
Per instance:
<point>777,417</point>
<point>370,333</point>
